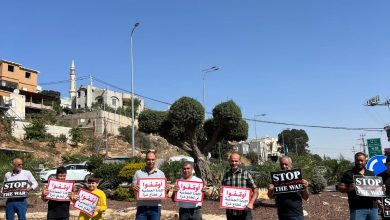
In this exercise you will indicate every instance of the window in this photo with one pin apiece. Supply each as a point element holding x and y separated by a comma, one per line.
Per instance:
<point>10,68</point>
<point>8,84</point>
<point>28,75</point>
<point>113,101</point>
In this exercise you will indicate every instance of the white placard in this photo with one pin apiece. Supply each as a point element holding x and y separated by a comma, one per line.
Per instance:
<point>189,191</point>
<point>152,188</point>
<point>87,202</point>
<point>235,198</point>
<point>59,190</point>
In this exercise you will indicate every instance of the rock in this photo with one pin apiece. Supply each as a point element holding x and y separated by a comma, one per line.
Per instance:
<point>325,203</point>
<point>305,213</point>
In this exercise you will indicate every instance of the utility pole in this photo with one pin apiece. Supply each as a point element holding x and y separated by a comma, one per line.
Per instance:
<point>363,144</point>
<point>353,150</point>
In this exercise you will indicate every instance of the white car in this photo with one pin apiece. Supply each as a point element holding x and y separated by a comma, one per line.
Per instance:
<point>74,172</point>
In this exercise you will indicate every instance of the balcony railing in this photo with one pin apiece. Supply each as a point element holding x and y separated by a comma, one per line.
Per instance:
<point>38,106</point>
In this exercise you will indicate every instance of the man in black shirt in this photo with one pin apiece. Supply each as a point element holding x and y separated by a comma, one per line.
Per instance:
<point>360,207</point>
<point>57,210</point>
<point>289,204</point>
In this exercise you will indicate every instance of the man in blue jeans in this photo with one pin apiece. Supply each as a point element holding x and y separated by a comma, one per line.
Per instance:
<point>148,209</point>
<point>18,205</point>
<point>360,207</point>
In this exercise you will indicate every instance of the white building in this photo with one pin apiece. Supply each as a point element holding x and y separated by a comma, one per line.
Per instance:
<point>264,147</point>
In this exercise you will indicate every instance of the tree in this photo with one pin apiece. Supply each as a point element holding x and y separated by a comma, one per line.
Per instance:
<point>36,130</point>
<point>295,140</point>
<point>184,127</point>
<point>76,135</point>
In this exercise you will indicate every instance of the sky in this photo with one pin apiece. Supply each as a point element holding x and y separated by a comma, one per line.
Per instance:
<point>300,62</point>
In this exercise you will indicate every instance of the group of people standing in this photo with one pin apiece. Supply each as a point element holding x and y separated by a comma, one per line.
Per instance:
<point>57,210</point>
<point>289,205</point>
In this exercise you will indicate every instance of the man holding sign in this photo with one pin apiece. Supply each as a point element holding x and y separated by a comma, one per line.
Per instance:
<point>237,177</point>
<point>288,190</point>
<point>21,181</point>
<point>189,193</point>
<point>360,207</point>
<point>58,208</point>
<point>148,209</point>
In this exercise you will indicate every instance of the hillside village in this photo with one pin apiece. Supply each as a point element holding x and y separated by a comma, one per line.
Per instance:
<point>99,113</point>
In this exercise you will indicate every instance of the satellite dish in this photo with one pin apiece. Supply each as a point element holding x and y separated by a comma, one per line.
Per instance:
<point>16,91</point>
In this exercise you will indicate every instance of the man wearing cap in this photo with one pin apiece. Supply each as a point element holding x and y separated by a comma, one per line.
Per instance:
<point>360,207</point>
<point>18,205</point>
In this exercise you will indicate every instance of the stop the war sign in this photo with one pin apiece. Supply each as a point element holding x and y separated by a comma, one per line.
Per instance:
<point>287,181</point>
<point>370,186</point>
<point>14,189</point>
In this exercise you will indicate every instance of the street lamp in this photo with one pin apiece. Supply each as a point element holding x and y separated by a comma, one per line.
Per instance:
<point>132,89</point>
<point>257,143</point>
<point>204,73</point>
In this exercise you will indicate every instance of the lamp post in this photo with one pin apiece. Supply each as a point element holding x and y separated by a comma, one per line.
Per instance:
<point>132,90</point>
<point>204,73</point>
<point>283,141</point>
<point>257,143</point>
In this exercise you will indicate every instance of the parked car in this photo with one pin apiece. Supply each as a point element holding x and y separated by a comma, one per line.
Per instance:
<point>74,172</point>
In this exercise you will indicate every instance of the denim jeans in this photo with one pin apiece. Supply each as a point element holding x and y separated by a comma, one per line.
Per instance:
<point>246,215</point>
<point>364,214</point>
<point>18,206</point>
<point>148,213</point>
<point>190,214</point>
<point>291,217</point>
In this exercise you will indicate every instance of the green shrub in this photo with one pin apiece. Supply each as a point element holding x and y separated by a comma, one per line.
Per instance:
<point>172,170</point>
<point>74,158</point>
<point>76,136</point>
<point>263,173</point>
<point>36,130</point>
<point>129,170</point>
<point>123,194</point>
<point>109,175</point>
<point>94,162</point>
<point>253,157</point>
<point>62,139</point>
<point>317,183</point>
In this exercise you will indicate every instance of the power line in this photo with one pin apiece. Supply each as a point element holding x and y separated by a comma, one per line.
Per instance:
<point>124,90</point>
<point>247,119</point>
<point>316,126</point>
<point>63,81</point>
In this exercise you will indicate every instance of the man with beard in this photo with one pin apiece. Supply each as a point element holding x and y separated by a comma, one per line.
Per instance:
<point>360,207</point>
<point>238,177</point>
<point>148,209</point>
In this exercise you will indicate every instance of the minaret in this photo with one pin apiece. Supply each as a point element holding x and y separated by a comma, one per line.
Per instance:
<point>72,90</point>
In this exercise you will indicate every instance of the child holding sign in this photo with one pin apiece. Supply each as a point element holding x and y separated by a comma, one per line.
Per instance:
<point>101,205</point>
<point>57,209</point>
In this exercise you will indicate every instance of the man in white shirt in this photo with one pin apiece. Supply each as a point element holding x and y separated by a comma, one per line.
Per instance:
<point>18,205</point>
<point>189,210</point>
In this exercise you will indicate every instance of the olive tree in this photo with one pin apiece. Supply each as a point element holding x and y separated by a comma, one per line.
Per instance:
<point>183,125</point>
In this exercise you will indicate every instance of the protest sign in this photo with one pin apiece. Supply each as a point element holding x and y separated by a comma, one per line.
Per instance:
<point>189,191</point>
<point>287,181</point>
<point>235,197</point>
<point>151,188</point>
<point>87,202</point>
<point>14,189</point>
<point>369,186</point>
<point>386,207</point>
<point>59,190</point>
